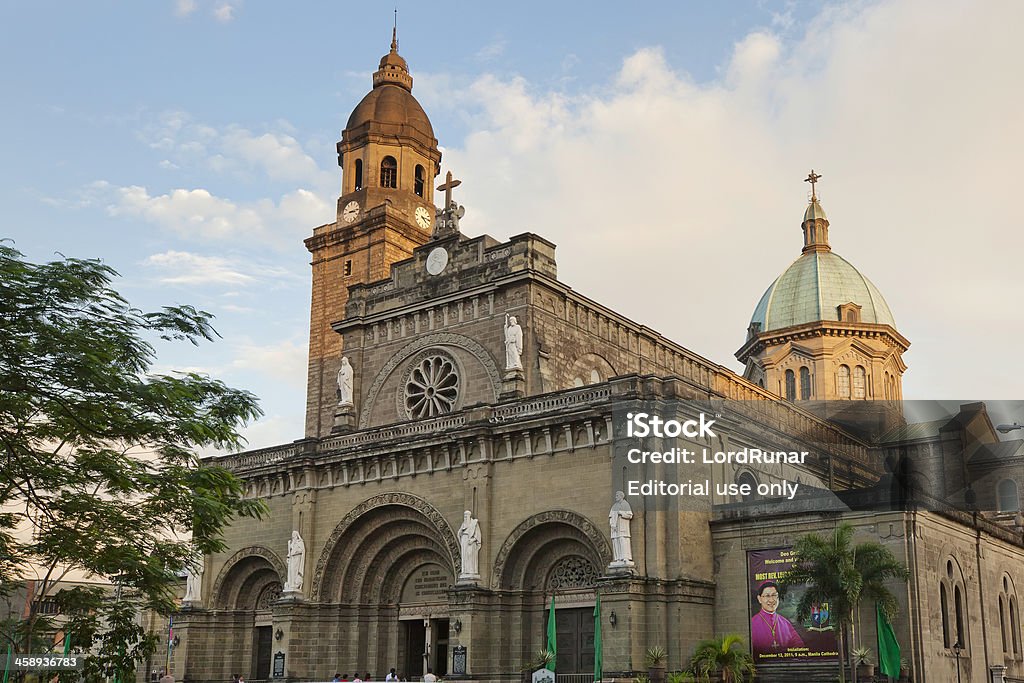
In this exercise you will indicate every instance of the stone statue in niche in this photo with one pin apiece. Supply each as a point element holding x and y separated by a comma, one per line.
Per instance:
<point>296,563</point>
<point>513,343</point>
<point>470,540</point>
<point>194,584</point>
<point>345,383</point>
<point>618,520</point>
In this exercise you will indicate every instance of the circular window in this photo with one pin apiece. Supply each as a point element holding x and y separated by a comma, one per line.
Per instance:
<point>432,387</point>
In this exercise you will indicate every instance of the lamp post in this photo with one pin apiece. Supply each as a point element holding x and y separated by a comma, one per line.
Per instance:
<point>957,649</point>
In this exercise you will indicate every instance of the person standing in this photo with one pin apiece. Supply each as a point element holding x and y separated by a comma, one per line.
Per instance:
<point>391,676</point>
<point>429,677</point>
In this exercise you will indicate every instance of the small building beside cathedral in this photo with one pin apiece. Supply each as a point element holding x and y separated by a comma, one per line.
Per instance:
<point>465,464</point>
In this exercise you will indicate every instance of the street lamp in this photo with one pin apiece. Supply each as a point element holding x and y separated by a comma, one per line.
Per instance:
<point>957,649</point>
<point>1006,429</point>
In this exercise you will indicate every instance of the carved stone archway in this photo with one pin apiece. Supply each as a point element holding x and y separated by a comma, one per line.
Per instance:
<point>422,527</point>
<point>574,532</point>
<point>229,574</point>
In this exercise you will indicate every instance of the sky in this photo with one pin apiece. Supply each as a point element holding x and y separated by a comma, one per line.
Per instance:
<point>190,145</point>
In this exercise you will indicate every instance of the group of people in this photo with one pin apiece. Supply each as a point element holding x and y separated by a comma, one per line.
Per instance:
<point>428,677</point>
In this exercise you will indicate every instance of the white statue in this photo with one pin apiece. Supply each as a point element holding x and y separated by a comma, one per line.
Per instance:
<point>618,520</point>
<point>513,344</point>
<point>470,540</point>
<point>194,584</point>
<point>345,383</point>
<point>296,563</point>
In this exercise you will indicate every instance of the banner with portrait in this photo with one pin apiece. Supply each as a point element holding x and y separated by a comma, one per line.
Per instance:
<point>776,635</point>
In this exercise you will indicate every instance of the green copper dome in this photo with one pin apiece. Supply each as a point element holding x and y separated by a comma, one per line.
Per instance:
<point>813,288</point>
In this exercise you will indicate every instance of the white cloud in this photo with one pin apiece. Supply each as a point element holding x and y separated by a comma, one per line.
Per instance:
<point>181,267</point>
<point>678,203</point>
<point>198,215</point>
<point>283,361</point>
<point>492,50</point>
<point>225,11</point>
<point>273,153</point>
<point>183,8</point>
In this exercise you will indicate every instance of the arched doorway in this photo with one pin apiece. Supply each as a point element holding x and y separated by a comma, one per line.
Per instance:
<point>555,554</point>
<point>251,582</point>
<point>388,565</point>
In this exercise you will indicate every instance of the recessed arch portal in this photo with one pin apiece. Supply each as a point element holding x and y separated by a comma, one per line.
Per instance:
<point>376,548</point>
<point>537,547</point>
<point>249,576</point>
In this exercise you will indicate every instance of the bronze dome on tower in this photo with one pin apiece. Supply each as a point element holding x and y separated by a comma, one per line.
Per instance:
<point>391,100</point>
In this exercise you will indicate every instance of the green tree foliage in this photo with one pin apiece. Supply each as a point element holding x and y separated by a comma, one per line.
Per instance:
<point>842,574</point>
<point>725,656</point>
<point>99,453</point>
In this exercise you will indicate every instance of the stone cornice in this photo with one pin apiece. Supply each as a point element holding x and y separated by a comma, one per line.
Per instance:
<point>821,328</point>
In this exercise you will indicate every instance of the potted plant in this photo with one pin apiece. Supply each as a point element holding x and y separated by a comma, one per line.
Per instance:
<point>904,670</point>
<point>656,658</point>
<point>725,658</point>
<point>864,659</point>
<point>681,677</point>
<point>542,660</point>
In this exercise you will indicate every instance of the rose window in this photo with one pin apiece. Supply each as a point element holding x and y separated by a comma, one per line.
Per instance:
<point>432,388</point>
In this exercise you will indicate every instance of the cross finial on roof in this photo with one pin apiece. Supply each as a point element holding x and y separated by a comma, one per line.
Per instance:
<point>812,178</point>
<point>449,185</point>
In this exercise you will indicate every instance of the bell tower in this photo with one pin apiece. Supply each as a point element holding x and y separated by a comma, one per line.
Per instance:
<point>389,159</point>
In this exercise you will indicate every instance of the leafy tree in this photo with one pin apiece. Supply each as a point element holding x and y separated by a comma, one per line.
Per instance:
<point>842,574</point>
<point>725,655</point>
<point>99,454</point>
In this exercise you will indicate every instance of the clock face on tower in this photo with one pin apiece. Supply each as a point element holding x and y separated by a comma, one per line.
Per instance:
<point>350,212</point>
<point>437,260</point>
<point>422,217</point>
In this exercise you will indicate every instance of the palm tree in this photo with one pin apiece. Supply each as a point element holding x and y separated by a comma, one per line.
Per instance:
<point>842,574</point>
<point>726,655</point>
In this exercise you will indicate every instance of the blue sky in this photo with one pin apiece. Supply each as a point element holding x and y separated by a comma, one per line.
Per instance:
<point>191,146</point>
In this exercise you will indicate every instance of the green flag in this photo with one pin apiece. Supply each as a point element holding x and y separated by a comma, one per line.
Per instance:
<point>598,664</point>
<point>888,648</point>
<point>67,644</point>
<point>7,666</point>
<point>552,644</point>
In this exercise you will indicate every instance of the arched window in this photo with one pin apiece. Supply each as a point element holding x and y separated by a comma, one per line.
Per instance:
<point>805,383</point>
<point>359,174</point>
<point>1006,495</point>
<point>944,606</point>
<point>389,172</point>
<point>1014,632</point>
<point>958,609</point>
<point>420,183</point>
<point>790,385</point>
<point>844,381</point>
<point>1002,623</point>
<point>751,481</point>
<point>595,376</point>
<point>859,382</point>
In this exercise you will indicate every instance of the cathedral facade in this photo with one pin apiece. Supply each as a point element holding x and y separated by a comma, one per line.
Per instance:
<point>463,453</point>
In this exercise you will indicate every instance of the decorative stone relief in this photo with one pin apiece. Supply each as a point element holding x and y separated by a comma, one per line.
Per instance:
<point>572,573</point>
<point>438,339</point>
